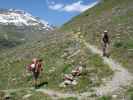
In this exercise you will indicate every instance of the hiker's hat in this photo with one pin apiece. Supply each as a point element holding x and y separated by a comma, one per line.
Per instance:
<point>105,31</point>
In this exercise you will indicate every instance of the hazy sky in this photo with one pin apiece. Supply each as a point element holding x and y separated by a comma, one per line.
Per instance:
<point>56,12</point>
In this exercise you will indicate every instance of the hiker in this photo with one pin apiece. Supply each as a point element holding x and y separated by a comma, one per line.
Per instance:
<point>105,43</point>
<point>35,67</point>
<point>77,71</point>
<point>68,80</point>
<point>68,77</point>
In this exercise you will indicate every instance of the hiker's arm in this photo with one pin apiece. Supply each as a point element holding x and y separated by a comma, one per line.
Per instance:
<point>41,68</point>
<point>102,41</point>
<point>109,40</point>
<point>36,67</point>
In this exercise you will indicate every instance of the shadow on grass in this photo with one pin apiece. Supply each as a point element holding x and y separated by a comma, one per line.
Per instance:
<point>42,84</point>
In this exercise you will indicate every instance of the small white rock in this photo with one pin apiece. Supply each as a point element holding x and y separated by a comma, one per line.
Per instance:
<point>62,85</point>
<point>114,96</point>
<point>26,96</point>
<point>104,79</point>
<point>68,82</point>
<point>74,82</point>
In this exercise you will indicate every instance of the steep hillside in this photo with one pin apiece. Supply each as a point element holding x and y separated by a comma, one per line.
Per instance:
<point>56,52</point>
<point>114,16</point>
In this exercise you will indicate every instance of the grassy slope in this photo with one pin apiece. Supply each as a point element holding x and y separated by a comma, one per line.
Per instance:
<point>13,62</point>
<point>114,16</point>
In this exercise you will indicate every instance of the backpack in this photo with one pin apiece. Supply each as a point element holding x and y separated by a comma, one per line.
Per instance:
<point>106,39</point>
<point>31,67</point>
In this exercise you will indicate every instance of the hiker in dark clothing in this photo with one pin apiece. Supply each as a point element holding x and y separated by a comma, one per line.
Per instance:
<point>105,43</point>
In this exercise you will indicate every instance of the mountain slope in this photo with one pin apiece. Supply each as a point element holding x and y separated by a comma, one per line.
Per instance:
<point>55,64</point>
<point>114,16</point>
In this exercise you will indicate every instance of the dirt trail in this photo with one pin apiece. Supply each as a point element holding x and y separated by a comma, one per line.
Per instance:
<point>120,78</point>
<point>16,90</point>
<point>57,94</point>
<point>52,93</point>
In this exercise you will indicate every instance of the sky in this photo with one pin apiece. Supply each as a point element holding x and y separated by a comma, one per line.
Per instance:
<point>55,12</point>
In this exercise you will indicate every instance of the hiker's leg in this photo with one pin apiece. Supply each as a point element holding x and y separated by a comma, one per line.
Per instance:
<point>104,49</point>
<point>38,81</point>
<point>107,50</point>
<point>35,84</point>
<point>35,79</point>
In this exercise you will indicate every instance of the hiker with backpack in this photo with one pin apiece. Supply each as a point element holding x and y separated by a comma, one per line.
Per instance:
<point>77,71</point>
<point>35,67</point>
<point>105,43</point>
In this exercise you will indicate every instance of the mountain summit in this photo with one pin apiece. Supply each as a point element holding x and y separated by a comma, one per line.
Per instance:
<point>21,18</point>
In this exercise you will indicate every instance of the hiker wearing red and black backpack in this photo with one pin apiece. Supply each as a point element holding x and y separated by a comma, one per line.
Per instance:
<point>35,67</point>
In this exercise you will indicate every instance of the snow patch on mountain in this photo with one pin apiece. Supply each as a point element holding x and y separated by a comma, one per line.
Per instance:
<point>21,18</point>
